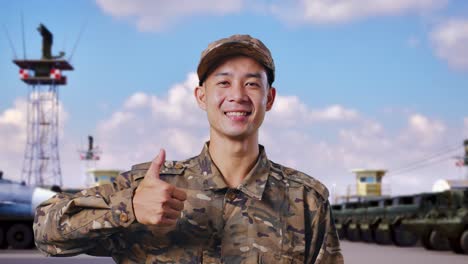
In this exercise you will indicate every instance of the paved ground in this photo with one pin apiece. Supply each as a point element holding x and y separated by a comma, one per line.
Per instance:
<point>33,256</point>
<point>362,253</point>
<point>355,253</point>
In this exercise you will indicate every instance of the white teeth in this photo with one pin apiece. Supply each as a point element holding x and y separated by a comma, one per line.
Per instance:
<point>236,113</point>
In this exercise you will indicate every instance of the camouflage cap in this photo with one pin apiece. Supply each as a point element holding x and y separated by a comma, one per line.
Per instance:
<point>235,45</point>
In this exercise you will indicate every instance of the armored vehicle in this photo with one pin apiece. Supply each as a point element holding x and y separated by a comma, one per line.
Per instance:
<point>446,224</point>
<point>438,220</point>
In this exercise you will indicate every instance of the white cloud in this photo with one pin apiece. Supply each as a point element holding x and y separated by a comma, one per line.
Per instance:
<point>366,137</point>
<point>148,122</point>
<point>425,130</point>
<point>341,11</point>
<point>291,111</point>
<point>137,100</point>
<point>450,40</point>
<point>179,102</point>
<point>422,124</point>
<point>334,113</point>
<point>13,127</point>
<point>155,15</point>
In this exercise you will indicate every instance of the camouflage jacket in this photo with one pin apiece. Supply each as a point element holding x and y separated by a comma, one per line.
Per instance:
<point>276,215</point>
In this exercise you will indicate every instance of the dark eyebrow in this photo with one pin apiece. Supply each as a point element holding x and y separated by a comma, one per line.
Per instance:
<point>222,74</point>
<point>248,75</point>
<point>254,75</point>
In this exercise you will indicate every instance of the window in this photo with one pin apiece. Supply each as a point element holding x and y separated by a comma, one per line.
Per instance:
<point>367,179</point>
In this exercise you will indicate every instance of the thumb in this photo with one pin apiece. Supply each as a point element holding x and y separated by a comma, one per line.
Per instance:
<point>156,165</point>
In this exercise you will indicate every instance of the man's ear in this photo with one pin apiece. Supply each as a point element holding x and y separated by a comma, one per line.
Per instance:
<point>200,95</point>
<point>270,98</point>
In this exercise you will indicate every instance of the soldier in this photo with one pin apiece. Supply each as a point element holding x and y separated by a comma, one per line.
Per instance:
<point>229,204</point>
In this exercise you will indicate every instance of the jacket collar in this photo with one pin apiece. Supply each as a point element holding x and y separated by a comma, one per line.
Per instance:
<point>253,184</point>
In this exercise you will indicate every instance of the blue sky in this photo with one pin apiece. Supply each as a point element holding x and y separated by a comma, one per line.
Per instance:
<point>390,65</point>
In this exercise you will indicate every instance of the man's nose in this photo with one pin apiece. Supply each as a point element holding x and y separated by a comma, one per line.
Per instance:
<point>237,92</point>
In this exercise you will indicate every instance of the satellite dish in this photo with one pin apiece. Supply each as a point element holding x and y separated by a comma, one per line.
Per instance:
<point>440,186</point>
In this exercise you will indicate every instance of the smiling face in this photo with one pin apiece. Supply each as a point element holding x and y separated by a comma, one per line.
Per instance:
<point>236,96</point>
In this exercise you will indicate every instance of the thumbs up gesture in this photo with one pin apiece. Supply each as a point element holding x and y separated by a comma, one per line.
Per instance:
<point>157,202</point>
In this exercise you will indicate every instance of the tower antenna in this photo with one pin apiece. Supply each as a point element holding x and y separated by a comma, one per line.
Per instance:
<point>22,33</point>
<point>11,42</point>
<point>78,39</point>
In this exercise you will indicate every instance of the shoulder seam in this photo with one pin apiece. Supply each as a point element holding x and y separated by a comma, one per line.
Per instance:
<point>168,168</point>
<point>302,178</point>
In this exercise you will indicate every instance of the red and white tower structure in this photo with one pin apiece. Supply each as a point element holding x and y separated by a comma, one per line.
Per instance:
<point>41,164</point>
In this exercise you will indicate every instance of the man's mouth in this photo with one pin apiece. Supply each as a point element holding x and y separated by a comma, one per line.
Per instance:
<point>237,113</point>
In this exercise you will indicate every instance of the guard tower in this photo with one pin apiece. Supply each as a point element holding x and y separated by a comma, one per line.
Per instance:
<point>102,177</point>
<point>95,176</point>
<point>41,164</point>
<point>369,182</point>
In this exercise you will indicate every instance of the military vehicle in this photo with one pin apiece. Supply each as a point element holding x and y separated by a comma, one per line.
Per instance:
<point>344,212</point>
<point>446,224</point>
<point>438,220</point>
<point>370,220</point>
<point>355,217</point>
<point>17,205</point>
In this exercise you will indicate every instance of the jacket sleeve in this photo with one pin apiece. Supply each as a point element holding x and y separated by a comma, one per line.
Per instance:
<point>83,222</point>
<point>324,246</point>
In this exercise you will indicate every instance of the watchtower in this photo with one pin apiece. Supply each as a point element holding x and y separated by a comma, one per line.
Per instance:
<point>41,164</point>
<point>102,177</point>
<point>369,182</point>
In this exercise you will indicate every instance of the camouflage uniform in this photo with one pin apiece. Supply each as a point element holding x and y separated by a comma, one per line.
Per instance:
<point>277,215</point>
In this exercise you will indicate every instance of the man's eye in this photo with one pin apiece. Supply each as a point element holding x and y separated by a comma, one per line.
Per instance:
<point>223,83</point>
<point>252,84</point>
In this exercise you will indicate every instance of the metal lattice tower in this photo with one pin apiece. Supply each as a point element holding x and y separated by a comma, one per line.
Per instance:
<point>90,157</point>
<point>41,164</point>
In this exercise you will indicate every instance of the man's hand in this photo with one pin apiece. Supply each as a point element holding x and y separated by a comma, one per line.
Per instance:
<point>155,201</point>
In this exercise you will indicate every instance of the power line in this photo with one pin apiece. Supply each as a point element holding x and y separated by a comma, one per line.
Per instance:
<point>426,159</point>
<point>437,157</point>
<point>420,164</point>
<point>416,167</point>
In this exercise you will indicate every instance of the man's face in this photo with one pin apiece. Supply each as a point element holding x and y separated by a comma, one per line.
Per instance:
<point>236,96</point>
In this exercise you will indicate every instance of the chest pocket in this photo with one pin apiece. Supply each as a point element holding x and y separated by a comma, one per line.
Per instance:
<point>279,228</point>
<point>199,220</point>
